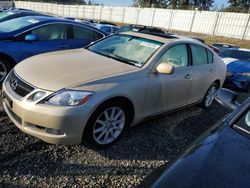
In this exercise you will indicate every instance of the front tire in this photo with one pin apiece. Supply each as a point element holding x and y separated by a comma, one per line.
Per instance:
<point>5,68</point>
<point>106,125</point>
<point>210,96</point>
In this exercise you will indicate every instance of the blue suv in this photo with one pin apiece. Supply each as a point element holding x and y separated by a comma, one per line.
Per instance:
<point>24,37</point>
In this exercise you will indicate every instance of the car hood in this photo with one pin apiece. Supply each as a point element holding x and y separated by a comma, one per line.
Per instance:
<point>221,159</point>
<point>239,66</point>
<point>228,60</point>
<point>57,70</point>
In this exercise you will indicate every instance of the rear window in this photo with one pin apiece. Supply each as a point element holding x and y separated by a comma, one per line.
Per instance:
<point>16,24</point>
<point>84,33</point>
<point>5,14</point>
<point>199,55</point>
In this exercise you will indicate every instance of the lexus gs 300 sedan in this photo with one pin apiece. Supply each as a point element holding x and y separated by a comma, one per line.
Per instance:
<point>92,95</point>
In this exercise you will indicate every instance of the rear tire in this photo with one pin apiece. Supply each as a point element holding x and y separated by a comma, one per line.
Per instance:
<point>210,96</point>
<point>5,68</point>
<point>106,125</point>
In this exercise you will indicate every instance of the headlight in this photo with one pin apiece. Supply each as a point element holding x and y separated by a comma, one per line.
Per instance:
<point>244,74</point>
<point>69,98</point>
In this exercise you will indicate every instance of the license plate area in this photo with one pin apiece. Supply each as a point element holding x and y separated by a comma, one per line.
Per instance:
<point>7,100</point>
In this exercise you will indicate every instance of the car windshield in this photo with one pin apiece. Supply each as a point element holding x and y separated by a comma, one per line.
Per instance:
<point>5,14</point>
<point>16,24</point>
<point>236,54</point>
<point>126,48</point>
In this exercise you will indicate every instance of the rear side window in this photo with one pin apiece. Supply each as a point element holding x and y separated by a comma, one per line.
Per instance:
<point>107,29</point>
<point>115,29</point>
<point>176,56</point>
<point>83,33</point>
<point>199,55</point>
<point>210,56</point>
<point>52,32</point>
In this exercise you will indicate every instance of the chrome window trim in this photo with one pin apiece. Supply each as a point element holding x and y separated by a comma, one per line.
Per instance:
<point>45,24</point>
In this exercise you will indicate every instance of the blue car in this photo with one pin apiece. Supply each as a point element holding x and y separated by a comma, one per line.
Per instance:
<point>110,29</point>
<point>218,158</point>
<point>16,13</point>
<point>238,75</point>
<point>24,37</point>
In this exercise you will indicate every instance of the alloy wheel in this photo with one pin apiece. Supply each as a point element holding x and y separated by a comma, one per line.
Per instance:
<point>109,125</point>
<point>210,96</point>
<point>3,71</point>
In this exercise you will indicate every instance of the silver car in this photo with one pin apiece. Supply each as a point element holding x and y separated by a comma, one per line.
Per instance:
<point>92,95</point>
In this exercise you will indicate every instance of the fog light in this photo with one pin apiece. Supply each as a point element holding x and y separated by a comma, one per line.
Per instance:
<point>38,95</point>
<point>53,131</point>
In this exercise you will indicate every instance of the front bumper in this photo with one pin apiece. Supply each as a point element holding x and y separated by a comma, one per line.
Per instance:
<point>238,82</point>
<point>37,119</point>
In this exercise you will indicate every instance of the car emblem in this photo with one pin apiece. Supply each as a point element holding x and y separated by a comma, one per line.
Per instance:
<point>14,84</point>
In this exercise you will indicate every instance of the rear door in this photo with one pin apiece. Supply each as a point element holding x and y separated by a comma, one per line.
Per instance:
<point>203,71</point>
<point>50,36</point>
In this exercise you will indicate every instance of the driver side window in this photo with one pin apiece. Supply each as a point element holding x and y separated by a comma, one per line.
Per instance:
<point>176,56</point>
<point>52,32</point>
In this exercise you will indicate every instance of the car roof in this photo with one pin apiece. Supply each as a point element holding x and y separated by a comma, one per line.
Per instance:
<point>154,36</point>
<point>48,19</point>
<point>164,38</point>
<point>238,49</point>
<point>107,25</point>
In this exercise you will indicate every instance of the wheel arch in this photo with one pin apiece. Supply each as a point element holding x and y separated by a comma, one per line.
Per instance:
<point>9,58</point>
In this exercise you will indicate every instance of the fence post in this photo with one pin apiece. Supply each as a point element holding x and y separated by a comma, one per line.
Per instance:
<point>123,14</point>
<point>192,23</point>
<point>170,20</point>
<point>83,10</point>
<point>110,16</point>
<point>216,23</point>
<point>153,17</point>
<point>137,16</point>
<point>100,16</point>
<point>245,30</point>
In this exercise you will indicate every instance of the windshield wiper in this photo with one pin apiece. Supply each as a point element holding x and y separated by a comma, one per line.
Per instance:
<point>119,58</point>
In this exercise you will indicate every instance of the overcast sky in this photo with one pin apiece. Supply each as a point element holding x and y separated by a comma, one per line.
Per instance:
<point>129,2</point>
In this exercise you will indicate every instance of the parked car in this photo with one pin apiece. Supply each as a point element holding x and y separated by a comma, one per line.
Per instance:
<point>233,54</point>
<point>99,22</point>
<point>224,46</point>
<point>140,28</point>
<point>23,37</point>
<point>94,94</point>
<point>218,158</point>
<point>215,49</point>
<point>238,75</point>
<point>110,29</point>
<point>16,13</point>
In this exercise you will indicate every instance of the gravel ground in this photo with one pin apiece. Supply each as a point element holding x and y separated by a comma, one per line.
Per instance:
<point>29,162</point>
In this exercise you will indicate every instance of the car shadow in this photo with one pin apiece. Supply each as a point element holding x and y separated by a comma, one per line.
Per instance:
<point>159,140</point>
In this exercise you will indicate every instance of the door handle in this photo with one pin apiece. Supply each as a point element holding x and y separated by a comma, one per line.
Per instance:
<point>211,70</point>
<point>188,77</point>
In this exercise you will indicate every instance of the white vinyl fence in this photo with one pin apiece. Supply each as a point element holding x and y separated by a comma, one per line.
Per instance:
<point>235,25</point>
<point>6,4</point>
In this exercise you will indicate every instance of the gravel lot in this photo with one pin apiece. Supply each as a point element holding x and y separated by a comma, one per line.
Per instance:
<point>29,162</point>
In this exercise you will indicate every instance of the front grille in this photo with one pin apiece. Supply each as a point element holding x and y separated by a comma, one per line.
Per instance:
<point>17,87</point>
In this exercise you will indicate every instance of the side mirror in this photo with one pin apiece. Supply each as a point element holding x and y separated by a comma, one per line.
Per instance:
<point>165,68</point>
<point>227,98</point>
<point>31,37</point>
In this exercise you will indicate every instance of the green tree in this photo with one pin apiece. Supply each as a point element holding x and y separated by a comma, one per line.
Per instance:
<point>175,4</point>
<point>239,6</point>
